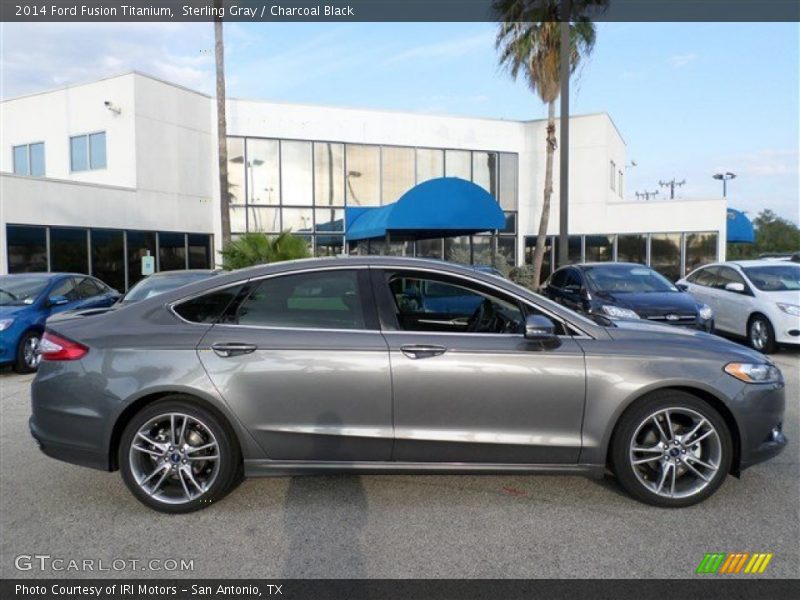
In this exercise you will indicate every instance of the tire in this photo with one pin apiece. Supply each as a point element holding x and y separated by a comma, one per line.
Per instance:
<point>191,481</point>
<point>27,363</point>
<point>761,335</point>
<point>667,452</point>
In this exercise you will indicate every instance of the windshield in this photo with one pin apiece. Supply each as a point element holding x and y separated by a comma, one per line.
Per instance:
<point>627,279</point>
<point>155,285</point>
<point>21,289</point>
<point>777,278</point>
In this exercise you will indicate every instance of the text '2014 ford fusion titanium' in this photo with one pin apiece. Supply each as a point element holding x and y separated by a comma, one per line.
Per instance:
<point>376,365</point>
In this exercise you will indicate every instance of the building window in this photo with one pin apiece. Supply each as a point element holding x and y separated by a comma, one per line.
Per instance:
<point>547,260</point>
<point>632,248</point>
<point>619,191</point>
<point>397,172</point>
<point>297,179</point>
<point>363,177</point>
<point>140,244</point>
<point>199,251</point>
<point>665,254</point>
<point>432,248</point>
<point>599,248</point>
<point>430,164</point>
<point>507,194</point>
<point>88,152</point>
<point>458,163</point>
<point>69,250</point>
<point>574,249</point>
<point>171,251</point>
<point>27,248</point>
<point>29,159</point>
<point>108,257</point>
<point>236,188</point>
<point>484,171</point>
<point>613,176</point>
<point>701,249</point>
<point>261,172</point>
<point>328,174</point>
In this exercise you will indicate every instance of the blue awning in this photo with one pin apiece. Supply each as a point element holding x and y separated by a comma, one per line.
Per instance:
<point>442,207</point>
<point>740,229</point>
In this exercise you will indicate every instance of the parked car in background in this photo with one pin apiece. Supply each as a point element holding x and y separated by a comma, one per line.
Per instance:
<point>792,256</point>
<point>164,281</point>
<point>626,291</point>
<point>28,299</point>
<point>755,299</point>
<point>318,366</point>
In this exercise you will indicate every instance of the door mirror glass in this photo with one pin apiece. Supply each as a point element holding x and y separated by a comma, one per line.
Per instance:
<point>735,287</point>
<point>539,328</point>
<point>57,301</point>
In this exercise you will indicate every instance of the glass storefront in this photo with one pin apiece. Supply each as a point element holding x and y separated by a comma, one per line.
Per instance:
<point>701,249</point>
<point>632,248</point>
<point>279,185</point>
<point>112,255</point>
<point>665,254</point>
<point>599,248</point>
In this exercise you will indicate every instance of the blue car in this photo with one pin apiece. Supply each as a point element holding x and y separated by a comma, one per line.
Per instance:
<point>27,299</point>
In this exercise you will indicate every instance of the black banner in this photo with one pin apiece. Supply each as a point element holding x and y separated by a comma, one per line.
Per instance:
<point>708,587</point>
<point>379,10</point>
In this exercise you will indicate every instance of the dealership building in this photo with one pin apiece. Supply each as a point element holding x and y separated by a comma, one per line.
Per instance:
<point>95,176</point>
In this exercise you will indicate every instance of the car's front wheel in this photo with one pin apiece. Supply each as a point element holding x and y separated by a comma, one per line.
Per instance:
<point>177,457</point>
<point>671,450</point>
<point>28,356</point>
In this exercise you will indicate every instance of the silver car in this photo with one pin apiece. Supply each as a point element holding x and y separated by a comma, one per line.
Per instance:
<point>387,365</point>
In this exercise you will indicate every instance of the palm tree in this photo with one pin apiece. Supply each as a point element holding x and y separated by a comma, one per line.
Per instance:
<point>257,249</point>
<point>528,39</point>
<point>222,132</point>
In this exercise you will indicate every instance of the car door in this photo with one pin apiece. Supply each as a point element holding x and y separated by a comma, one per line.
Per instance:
<point>472,396</point>
<point>65,289</point>
<point>734,307</point>
<point>301,360</point>
<point>701,286</point>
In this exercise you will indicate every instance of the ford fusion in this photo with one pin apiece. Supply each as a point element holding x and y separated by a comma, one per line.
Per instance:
<point>379,365</point>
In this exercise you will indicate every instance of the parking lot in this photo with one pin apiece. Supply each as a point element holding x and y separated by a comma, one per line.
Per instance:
<point>392,526</point>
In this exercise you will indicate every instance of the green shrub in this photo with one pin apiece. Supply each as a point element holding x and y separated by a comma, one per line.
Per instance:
<point>252,249</point>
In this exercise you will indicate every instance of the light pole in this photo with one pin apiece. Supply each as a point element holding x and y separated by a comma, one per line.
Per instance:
<point>724,177</point>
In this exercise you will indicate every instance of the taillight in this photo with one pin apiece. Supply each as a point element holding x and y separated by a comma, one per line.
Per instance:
<point>55,347</point>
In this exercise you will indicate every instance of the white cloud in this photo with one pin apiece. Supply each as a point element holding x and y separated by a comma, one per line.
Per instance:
<point>447,49</point>
<point>681,60</point>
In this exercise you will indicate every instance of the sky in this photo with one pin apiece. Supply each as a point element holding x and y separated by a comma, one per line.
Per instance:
<point>689,99</point>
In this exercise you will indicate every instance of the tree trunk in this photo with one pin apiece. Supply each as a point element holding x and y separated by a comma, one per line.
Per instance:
<point>222,135</point>
<point>538,253</point>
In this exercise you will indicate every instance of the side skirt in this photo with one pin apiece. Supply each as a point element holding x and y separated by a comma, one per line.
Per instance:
<point>277,468</point>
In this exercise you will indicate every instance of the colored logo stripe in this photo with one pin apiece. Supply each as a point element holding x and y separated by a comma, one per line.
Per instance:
<point>722,562</point>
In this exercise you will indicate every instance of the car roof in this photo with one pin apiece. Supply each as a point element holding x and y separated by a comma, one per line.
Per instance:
<point>178,272</point>
<point>758,263</point>
<point>605,264</point>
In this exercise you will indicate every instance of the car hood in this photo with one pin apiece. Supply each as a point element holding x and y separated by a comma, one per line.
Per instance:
<point>787,297</point>
<point>652,301</point>
<point>692,340</point>
<point>12,310</point>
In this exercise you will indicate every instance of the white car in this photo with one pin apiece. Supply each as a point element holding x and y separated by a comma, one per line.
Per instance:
<point>756,299</point>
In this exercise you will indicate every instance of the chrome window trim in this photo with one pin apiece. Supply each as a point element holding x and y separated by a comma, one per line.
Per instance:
<point>567,324</point>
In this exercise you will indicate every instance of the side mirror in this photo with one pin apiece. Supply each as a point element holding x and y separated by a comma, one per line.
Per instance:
<point>682,287</point>
<point>539,328</point>
<point>735,287</point>
<point>57,301</point>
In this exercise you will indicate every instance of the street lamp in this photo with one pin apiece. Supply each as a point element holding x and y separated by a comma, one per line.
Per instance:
<point>724,177</point>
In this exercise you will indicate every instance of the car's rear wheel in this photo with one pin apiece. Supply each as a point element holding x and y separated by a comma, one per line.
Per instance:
<point>671,450</point>
<point>28,356</point>
<point>177,457</point>
<point>761,334</point>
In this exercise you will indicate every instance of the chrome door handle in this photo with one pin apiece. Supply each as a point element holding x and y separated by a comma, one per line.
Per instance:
<point>228,349</point>
<point>422,350</point>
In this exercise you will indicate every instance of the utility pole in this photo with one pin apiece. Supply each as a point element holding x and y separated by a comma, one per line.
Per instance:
<point>646,195</point>
<point>672,184</point>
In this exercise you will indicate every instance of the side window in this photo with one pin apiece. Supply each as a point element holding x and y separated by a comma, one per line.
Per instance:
<point>558,278</point>
<point>727,275</point>
<point>208,308</point>
<point>572,279</point>
<point>88,287</point>
<point>67,289</point>
<point>704,277</point>
<point>319,300</point>
<point>424,303</point>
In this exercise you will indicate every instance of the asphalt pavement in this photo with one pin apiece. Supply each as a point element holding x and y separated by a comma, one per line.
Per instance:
<point>386,526</point>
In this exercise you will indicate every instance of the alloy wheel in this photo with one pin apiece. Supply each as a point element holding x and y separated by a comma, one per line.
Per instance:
<point>30,352</point>
<point>759,335</point>
<point>174,458</point>
<point>675,452</point>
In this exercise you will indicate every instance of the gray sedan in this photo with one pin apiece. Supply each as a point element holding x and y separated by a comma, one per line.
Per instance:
<point>378,365</point>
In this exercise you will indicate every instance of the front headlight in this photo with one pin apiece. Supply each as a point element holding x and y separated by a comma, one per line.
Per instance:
<point>5,324</point>
<point>705,312</point>
<point>618,312</point>
<point>790,309</point>
<point>754,373</point>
